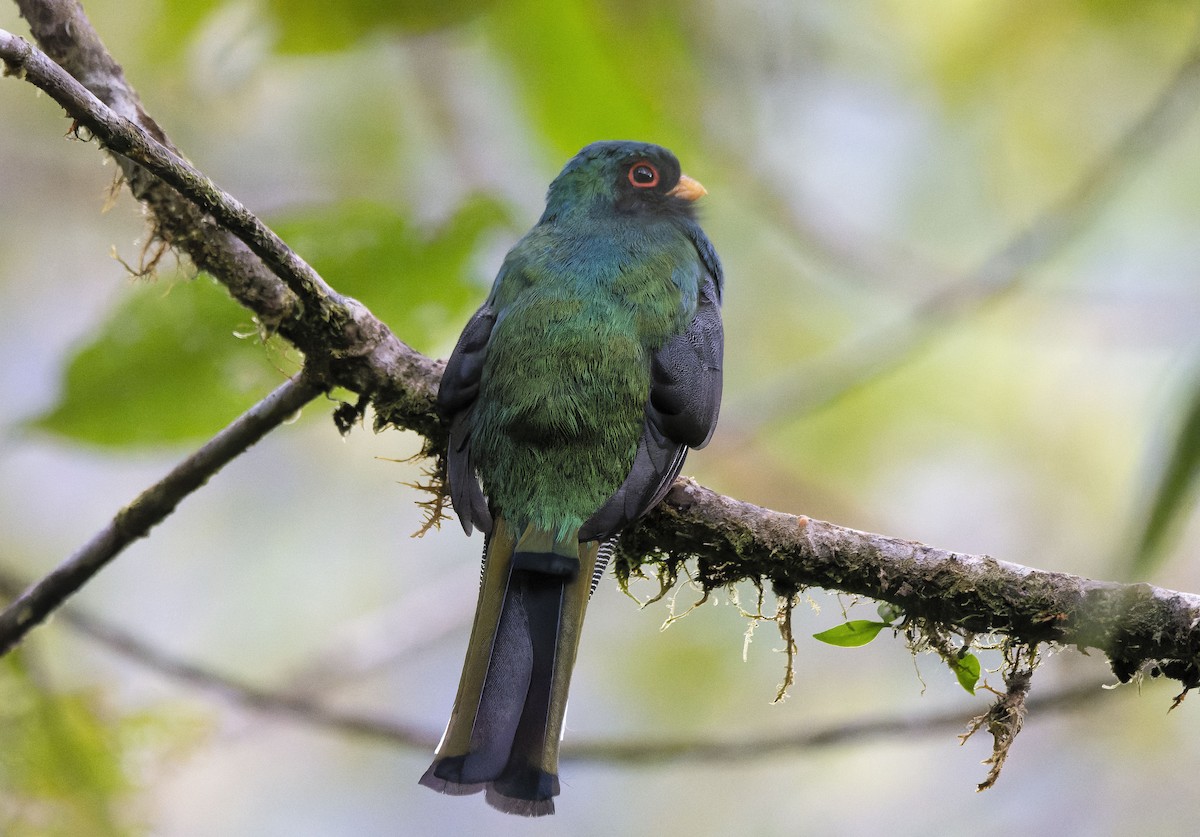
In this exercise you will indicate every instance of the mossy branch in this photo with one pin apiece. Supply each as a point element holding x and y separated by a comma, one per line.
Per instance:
<point>1137,626</point>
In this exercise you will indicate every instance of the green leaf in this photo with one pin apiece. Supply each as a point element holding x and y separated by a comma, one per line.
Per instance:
<point>166,367</point>
<point>413,280</point>
<point>853,633</point>
<point>169,25</point>
<point>967,669</point>
<point>72,764</point>
<point>307,26</point>
<point>602,70</point>
<point>61,758</point>
<point>1175,492</point>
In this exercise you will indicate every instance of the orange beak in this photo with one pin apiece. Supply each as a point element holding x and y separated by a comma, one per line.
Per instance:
<point>688,188</point>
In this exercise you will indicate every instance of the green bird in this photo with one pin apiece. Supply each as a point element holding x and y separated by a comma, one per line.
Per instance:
<point>571,398</point>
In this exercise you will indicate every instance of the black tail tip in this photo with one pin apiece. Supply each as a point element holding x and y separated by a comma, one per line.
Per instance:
<point>527,792</point>
<point>520,807</point>
<point>444,776</point>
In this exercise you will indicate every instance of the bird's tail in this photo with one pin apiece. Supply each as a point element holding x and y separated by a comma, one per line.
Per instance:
<point>507,720</point>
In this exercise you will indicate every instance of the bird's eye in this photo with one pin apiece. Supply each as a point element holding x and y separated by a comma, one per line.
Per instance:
<point>643,175</point>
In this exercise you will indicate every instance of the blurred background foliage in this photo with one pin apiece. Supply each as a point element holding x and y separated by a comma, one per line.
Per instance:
<point>962,307</point>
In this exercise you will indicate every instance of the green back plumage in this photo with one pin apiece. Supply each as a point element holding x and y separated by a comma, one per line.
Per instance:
<point>560,410</point>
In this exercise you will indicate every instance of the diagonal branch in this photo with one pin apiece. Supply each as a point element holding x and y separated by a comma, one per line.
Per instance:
<point>64,32</point>
<point>135,520</point>
<point>315,299</point>
<point>214,229</point>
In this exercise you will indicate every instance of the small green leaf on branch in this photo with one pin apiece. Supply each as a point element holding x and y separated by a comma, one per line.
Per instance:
<point>853,633</point>
<point>966,668</point>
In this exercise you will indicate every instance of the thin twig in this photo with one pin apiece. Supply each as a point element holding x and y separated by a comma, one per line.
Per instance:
<point>150,507</point>
<point>858,731</point>
<point>306,708</point>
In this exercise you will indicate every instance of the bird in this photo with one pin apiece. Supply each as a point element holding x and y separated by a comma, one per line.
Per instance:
<point>571,399</point>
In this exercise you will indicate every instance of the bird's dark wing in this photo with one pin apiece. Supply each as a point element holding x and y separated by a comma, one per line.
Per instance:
<point>685,396</point>
<point>456,397</point>
<point>685,376</point>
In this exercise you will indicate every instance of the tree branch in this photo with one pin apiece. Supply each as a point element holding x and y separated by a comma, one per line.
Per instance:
<point>123,137</point>
<point>151,506</point>
<point>1134,625</point>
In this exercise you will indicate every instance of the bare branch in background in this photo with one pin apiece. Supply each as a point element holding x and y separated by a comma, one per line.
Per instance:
<point>858,731</point>
<point>311,710</point>
<point>817,383</point>
<point>418,617</point>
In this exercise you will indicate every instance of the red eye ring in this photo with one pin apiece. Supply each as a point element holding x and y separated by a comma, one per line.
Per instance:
<point>643,175</point>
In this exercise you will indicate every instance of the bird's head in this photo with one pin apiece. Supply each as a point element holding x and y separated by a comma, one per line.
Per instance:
<point>623,177</point>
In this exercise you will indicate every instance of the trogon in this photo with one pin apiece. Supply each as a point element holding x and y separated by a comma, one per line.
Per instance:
<point>571,398</point>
